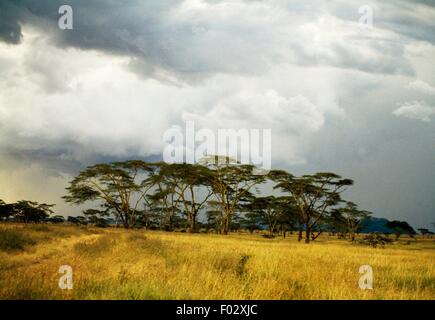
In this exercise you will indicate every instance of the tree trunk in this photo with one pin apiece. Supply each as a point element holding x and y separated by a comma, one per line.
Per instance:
<point>226,225</point>
<point>192,225</point>
<point>225,222</point>
<point>171,223</point>
<point>300,235</point>
<point>307,235</point>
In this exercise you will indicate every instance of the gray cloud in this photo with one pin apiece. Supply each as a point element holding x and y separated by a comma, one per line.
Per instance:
<point>10,29</point>
<point>192,40</point>
<point>129,70</point>
<point>415,110</point>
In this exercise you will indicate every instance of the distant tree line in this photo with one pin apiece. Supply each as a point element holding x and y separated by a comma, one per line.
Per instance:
<point>227,194</point>
<point>25,211</point>
<point>169,196</point>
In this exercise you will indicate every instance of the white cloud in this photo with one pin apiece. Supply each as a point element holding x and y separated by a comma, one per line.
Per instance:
<point>265,110</point>
<point>422,87</point>
<point>291,120</point>
<point>415,110</point>
<point>89,103</point>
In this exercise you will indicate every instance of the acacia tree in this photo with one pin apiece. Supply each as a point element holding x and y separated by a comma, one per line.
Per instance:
<point>31,211</point>
<point>230,182</point>
<point>115,186</point>
<point>251,222</point>
<point>80,220</point>
<point>6,210</point>
<point>163,208</point>
<point>160,206</point>
<point>337,223</point>
<point>313,194</point>
<point>186,181</point>
<point>56,219</point>
<point>401,227</point>
<point>288,219</point>
<point>351,217</point>
<point>97,217</point>
<point>425,231</point>
<point>268,210</point>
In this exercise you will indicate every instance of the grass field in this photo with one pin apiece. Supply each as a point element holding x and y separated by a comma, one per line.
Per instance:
<point>137,264</point>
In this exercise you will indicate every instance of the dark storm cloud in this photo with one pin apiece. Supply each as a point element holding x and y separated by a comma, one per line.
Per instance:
<point>53,161</point>
<point>10,29</point>
<point>58,160</point>
<point>193,46</point>
<point>412,19</point>
<point>429,3</point>
<point>130,28</point>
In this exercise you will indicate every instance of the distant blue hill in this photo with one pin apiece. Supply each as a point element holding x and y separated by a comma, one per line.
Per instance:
<point>373,224</point>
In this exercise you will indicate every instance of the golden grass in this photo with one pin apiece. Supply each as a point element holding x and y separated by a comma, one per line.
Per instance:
<point>120,264</point>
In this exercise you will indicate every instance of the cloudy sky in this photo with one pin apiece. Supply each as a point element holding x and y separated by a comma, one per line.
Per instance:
<point>338,95</point>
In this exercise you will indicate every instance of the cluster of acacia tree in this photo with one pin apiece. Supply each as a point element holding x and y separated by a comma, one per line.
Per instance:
<point>27,211</point>
<point>141,194</point>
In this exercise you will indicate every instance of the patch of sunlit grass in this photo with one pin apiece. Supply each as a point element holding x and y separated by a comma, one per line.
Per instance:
<point>137,264</point>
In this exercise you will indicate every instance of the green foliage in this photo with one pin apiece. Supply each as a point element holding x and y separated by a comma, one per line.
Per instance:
<point>116,185</point>
<point>401,227</point>
<point>56,219</point>
<point>6,210</point>
<point>347,219</point>
<point>26,211</point>
<point>231,183</point>
<point>270,211</point>
<point>425,231</point>
<point>80,220</point>
<point>154,194</point>
<point>171,196</point>
<point>179,184</point>
<point>313,195</point>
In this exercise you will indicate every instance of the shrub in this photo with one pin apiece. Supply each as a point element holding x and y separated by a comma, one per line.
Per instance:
<point>14,240</point>
<point>374,240</point>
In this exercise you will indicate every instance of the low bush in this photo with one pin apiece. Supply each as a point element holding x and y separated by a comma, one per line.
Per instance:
<point>375,240</point>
